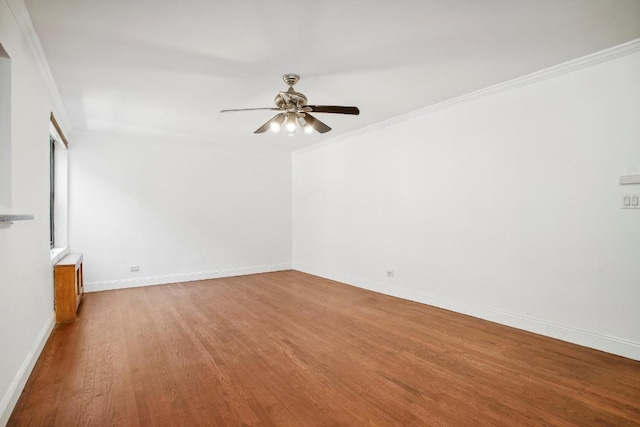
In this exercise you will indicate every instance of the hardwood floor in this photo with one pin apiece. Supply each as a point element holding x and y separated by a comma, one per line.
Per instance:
<point>290,349</point>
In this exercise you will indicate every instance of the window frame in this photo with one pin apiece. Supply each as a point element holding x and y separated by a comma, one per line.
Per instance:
<point>52,191</point>
<point>58,188</point>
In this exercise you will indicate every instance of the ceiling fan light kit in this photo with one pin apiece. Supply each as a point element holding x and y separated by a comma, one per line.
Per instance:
<point>294,111</point>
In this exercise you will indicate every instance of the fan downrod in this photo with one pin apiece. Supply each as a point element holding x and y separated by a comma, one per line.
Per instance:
<point>291,79</point>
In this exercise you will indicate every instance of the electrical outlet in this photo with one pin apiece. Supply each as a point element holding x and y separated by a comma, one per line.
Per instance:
<point>134,268</point>
<point>390,273</point>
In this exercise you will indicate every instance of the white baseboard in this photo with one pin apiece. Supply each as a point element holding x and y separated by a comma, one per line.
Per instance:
<point>609,344</point>
<point>12,394</point>
<point>182,277</point>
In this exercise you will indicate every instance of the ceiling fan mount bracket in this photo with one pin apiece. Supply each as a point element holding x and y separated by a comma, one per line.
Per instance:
<point>291,79</point>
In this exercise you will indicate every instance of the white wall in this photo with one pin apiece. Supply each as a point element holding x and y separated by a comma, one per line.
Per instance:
<point>505,207</point>
<point>26,274</point>
<point>177,208</point>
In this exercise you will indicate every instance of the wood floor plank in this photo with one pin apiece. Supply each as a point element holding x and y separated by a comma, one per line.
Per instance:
<point>291,349</point>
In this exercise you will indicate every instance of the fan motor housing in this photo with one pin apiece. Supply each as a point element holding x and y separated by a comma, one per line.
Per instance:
<point>290,99</point>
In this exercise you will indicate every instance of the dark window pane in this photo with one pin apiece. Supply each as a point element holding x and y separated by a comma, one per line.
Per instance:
<point>52,174</point>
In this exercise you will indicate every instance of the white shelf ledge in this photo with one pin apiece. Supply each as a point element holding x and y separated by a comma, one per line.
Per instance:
<point>14,217</point>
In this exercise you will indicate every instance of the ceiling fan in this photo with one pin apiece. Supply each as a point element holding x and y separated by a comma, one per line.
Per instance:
<point>294,109</point>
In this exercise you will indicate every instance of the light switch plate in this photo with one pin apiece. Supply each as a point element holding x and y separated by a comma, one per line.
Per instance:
<point>630,201</point>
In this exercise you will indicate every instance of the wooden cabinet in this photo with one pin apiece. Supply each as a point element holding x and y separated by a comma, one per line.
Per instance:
<point>69,285</point>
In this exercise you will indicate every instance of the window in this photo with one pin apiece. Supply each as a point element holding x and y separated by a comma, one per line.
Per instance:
<point>58,158</point>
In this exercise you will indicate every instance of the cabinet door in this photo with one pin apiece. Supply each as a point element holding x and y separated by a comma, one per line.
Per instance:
<point>65,293</point>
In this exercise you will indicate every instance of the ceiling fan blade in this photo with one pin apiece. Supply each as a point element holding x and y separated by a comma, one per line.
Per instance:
<point>250,109</point>
<point>278,118</point>
<point>334,109</point>
<point>316,124</point>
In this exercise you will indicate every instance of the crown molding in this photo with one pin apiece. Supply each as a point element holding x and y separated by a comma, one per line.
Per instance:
<point>587,61</point>
<point>22,18</point>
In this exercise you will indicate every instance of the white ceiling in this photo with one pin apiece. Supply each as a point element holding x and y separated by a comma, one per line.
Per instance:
<point>168,66</point>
